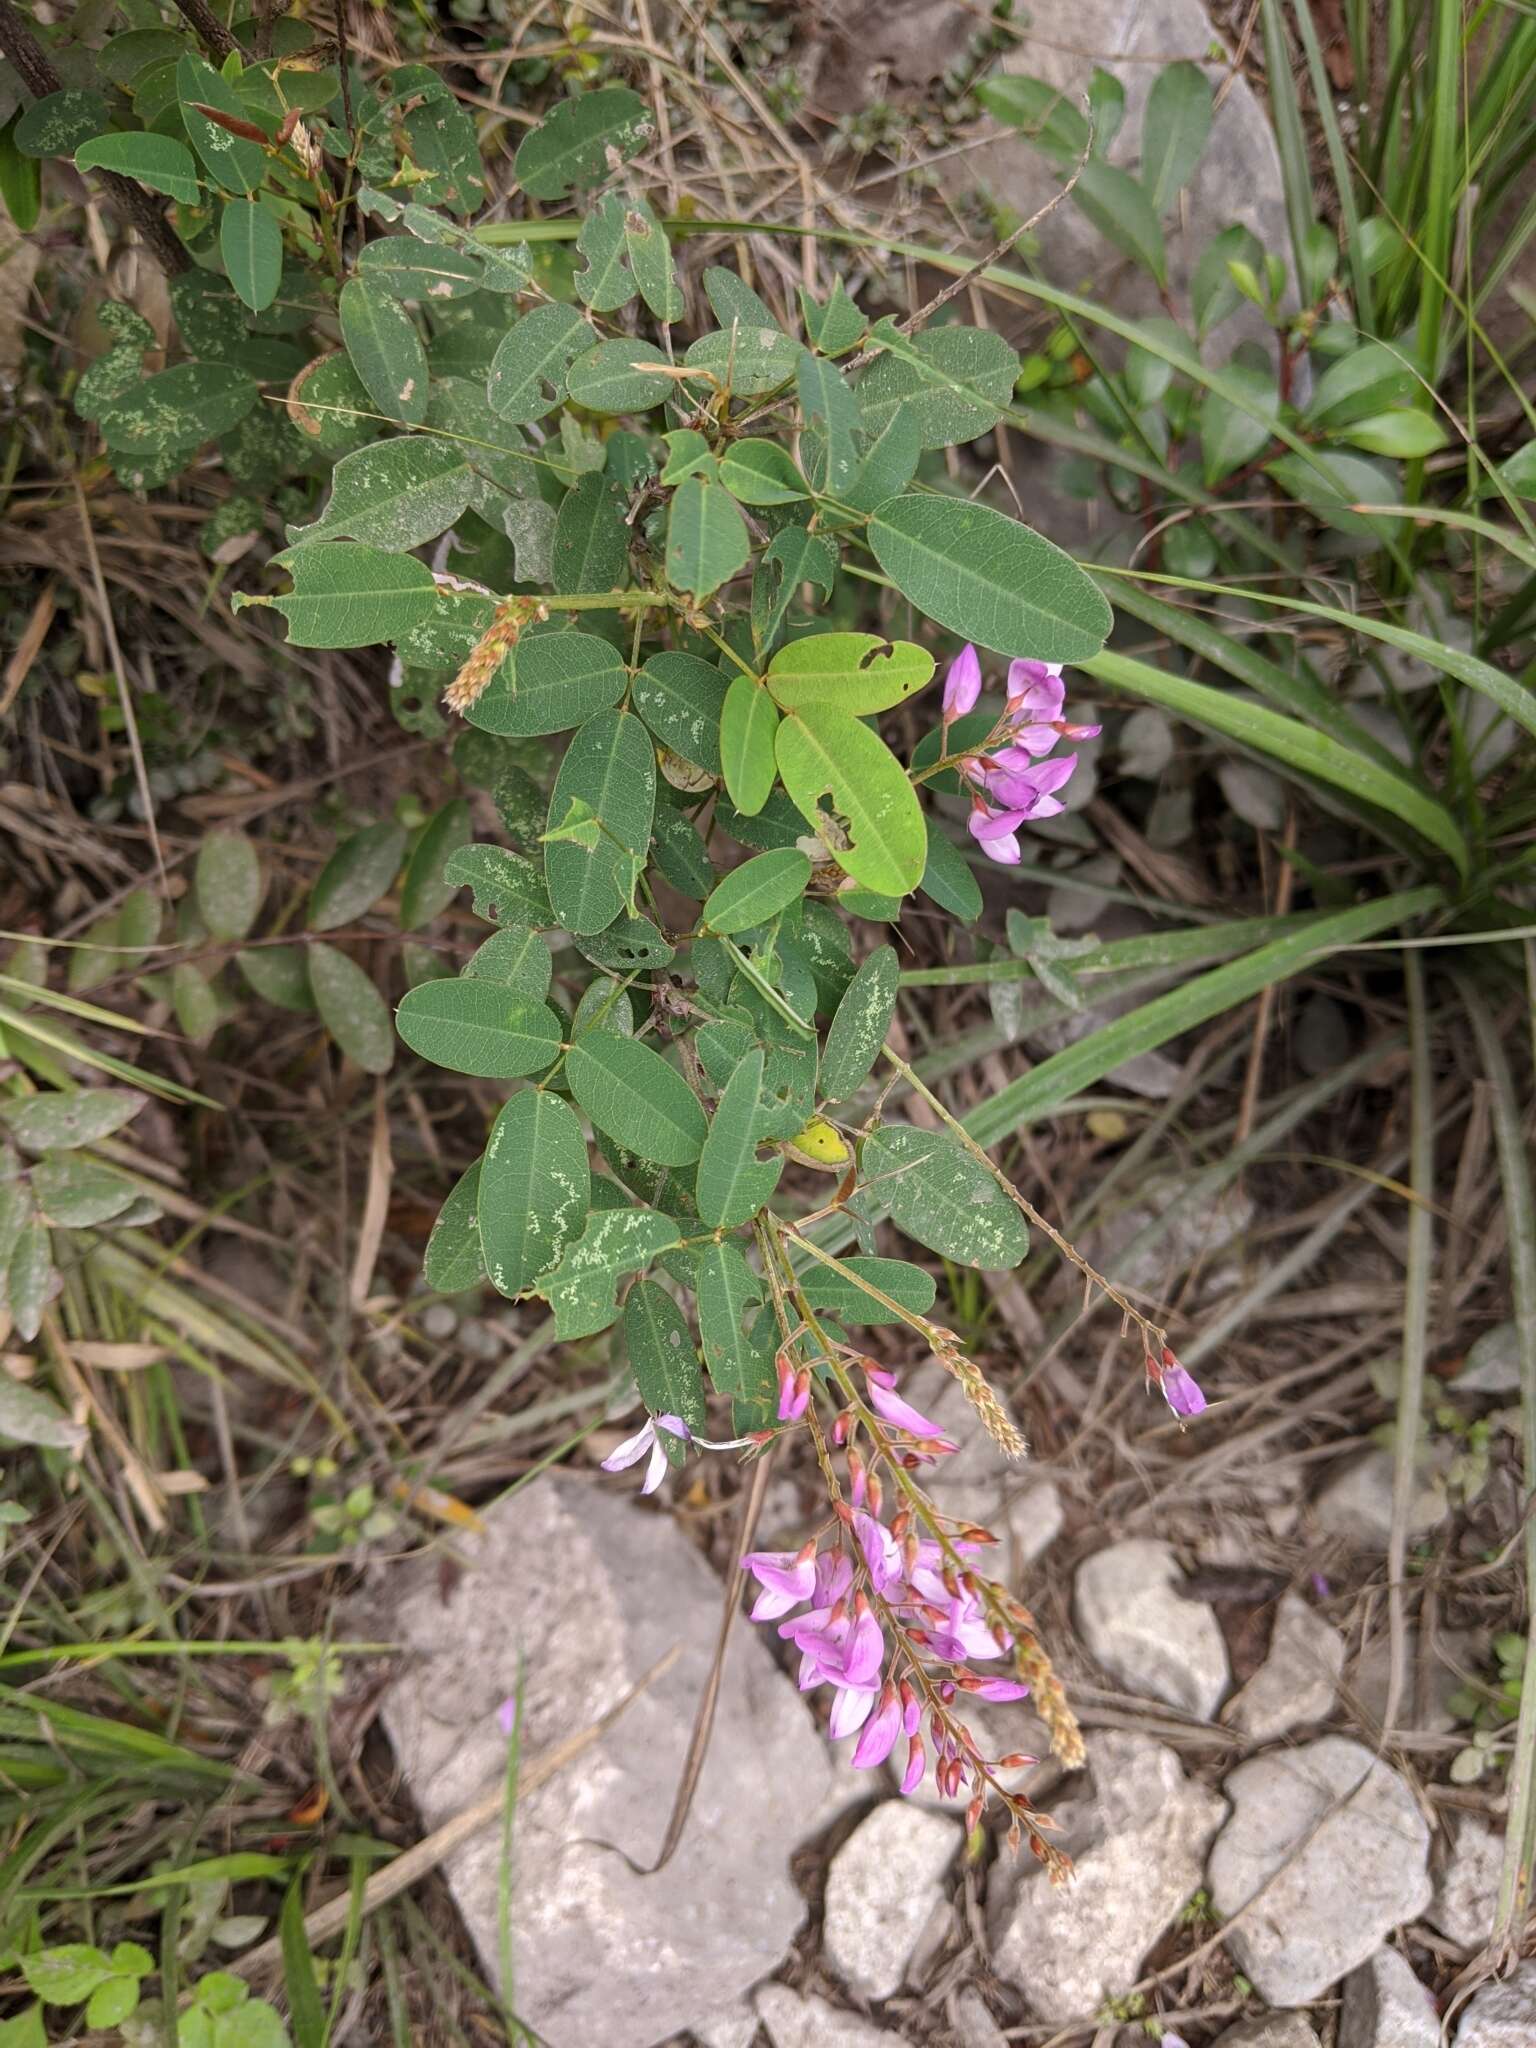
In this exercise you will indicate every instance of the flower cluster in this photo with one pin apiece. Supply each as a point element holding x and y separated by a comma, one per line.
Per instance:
<point>895,1614</point>
<point>1011,779</point>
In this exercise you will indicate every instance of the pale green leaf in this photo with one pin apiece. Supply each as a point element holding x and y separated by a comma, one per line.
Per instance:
<point>454,1261</point>
<point>528,371</point>
<point>619,376</point>
<point>749,719</point>
<point>827,753</point>
<point>228,883</point>
<point>393,494</point>
<point>615,1242</point>
<point>351,1009</point>
<point>348,595</point>
<point>548,683</point>
<point>426,890</point>
<point>937,1193</point>
<point>707,538</point>
<point>571,147</point>
<point>854,672</point>
<point>58,1122</point>
<point>1174,132</point>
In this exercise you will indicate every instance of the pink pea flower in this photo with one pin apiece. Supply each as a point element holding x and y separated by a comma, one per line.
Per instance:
<point>1031,789</point>
<point>879,1737</point>
<point>787,1578</point>
<point>962,684</point>
<point>917,1763</point>
<point>891,1408</point>
<point>850,1710</point>
<point>794,1390</point>
<point>997,1689</point>
<point>506,1717</point>
<point>634,1448</point>
<point>882,1553</point>
<point>1180,1388</point>
<point>995,832</point>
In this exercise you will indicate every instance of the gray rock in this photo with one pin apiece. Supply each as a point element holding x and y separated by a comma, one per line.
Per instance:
<point>1298,1681</point>
<point>1493,1363</point>
<point>1385,2006</point>
<point>1469,1889</point>
<point>882,1887</point>
<point>1502,2015</point>
<point>1457,1650</point>
<point>796,2019</point>
<point>973,2023</point>
<point>591,1591</point>
<point>1135,1624</point>
<point>1270,2030</point>
<point>1334,1840</point>
<point>737,2028</point>
<point>1356,1503</point>
<point>1137,1842</point>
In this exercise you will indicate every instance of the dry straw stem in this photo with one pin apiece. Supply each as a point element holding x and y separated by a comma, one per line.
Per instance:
<point>414,1863</point>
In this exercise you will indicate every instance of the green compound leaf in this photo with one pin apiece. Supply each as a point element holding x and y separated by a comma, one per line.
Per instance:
<point>234,162</point>
<point>681,699</point>
<point>548,683</point>
<point>384,349</point>
<point>749,721</point>
<point>664,1361</point>
<point>761,473</point>
<point>857,1031</point>
<point>158,161</point>
<point>59,123</point>
<point>171,413</point>
<point>355,875</point>
<point>571,148</point>
<point>854,672</point>
<point>619,376</point>
<point>351,1009</point>
<point>228,884</point>
<point>506,886</point>
<point>615,1242</point>
<point>637,1099</point>
<point>791,558</point>
<point>725,1288</point>
<point>832,414</point>
<point>454,1261</point>
<point>528,370</point>
<point>348,595</point>
<point>759,889</point>
<point>953,383</point>
<point>535,1188</point>
<point>733,1183</point>
<point>394,494</point>
<point>822,752</point>
<point>707,539</point>
<point>251,244</point>
<point>836,1295</point>
<point>413,269</point>
<point>937,1193</point>
<point>516,959</point>
<point>610,766</point>
<point>591,547</point>
<point>989,579</point>
<point>426,890</point>
<point>475,1026</point>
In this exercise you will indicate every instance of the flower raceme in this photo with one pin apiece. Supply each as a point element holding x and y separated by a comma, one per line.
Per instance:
<point>1011,780</point>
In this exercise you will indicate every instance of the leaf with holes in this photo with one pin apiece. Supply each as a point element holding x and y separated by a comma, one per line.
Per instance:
<point>548,683</point>
<point>393,494</point>
<point>535,1188</point>
<point>854,672</point>
<point>822,753</point>
<point>528,370</point>
<point>664,1360</point>
<point>504,885</point>
<point>570,148</point>
<point>348,595</point>
<point>989,579</point>
<point>610,766</point>
<point>357,875</point>
<point>474,1026</point>
<point>937,1193</point>
<point>637,1099</point>
<point>859,1028</point>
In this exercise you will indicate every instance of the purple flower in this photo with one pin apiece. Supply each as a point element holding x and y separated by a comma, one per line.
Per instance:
<point>917,1763</point>
<point>850,1710</point>
<point>506,1717</point>
<point>998,1689</point>
<point>891,1408</point>
<point>879,1737</point>
<point>962,684</point>
<point>787,1577</point>
<point>882,1553</point>
<point>634,1448</point>
<point>1035,690</point>
<point>794,1390</point>
<point>1031,789</point>
<point>1182,1392</point>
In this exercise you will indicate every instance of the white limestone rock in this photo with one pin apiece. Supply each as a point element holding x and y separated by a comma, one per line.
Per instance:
<point>1134,1622</point>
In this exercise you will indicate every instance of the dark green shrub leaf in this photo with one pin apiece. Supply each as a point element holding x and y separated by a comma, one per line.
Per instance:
<point>618,376</point>
<point>548,683</point>
<point>59,123</point>
<point>706,537</point>
<point>356,876</point>
<point>571,147</point>
<point>348,595</point>
<point>535,1187</point>
<point>831,415</point>
<point>394,494</point>
<point>414,269</point>
<point>989,579</point>
<point>351,1009</point>
<point>858,1030</point>
<point>733,1183</point>
<point>952,382</point>
<point>528,371</point>
<point>761,473</point>
<point>506,887</point>
<point>757,891</point>
<point>515,958</point>
<point>591,550</point>
<point>176,410</point>
<point>76,1194</point>
<point>385,350</point>
<point>234,162</point>
<point>159,162</point>
<point>937,1193</point>
<point>279,975</point>
<point>1229,436</point>
<point>681,699</point>
<point>642,1103</point>
<point>664,1361</point>
<point>615,1242</point>
<point>251,244</point>
<point>454,1261</point>
<point>475,1026</point>
<point>426,890</point>
<point>947,877</point>
<point>835,1294</point>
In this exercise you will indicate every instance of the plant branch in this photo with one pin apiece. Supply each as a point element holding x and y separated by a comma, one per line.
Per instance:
<point>211,32</point>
